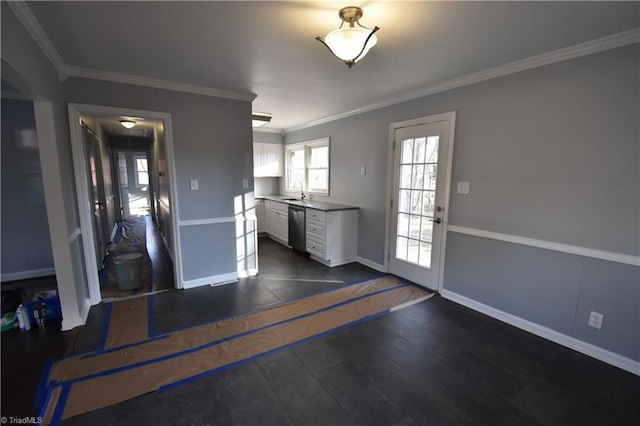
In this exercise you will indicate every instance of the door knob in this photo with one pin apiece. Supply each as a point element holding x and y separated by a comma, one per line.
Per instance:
<point>437,220</point>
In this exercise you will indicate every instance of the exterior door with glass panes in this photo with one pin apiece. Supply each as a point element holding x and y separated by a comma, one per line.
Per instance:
<point>419,177</point>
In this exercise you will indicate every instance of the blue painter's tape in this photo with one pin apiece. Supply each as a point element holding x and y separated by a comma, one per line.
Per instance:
<point>127,346</point>
<point>41,391</point>
<point>46,403</point>
<point>74,354</point>
<point>105,327</point>
<point>56,418</point>
<point>255,357</point>
<point>225,339</point>
<point>350,284</point>
<point>150,275</point>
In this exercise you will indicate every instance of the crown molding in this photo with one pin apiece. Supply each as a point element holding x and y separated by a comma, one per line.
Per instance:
<point>583,49</point>
<point>15,95</point>
<point>267,130</point>
<point>157,83</point>
<point>31,24</point>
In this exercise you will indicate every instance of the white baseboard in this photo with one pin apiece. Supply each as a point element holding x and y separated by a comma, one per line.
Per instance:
<point>166,246</point>
<point>84,312</point>
<point>212,280</point>
<point>332,263</point>
<point>373,265</point>
<point>596,352</point>
<point>71,322</point>
<point>248,273</point>
<point>25,275</point>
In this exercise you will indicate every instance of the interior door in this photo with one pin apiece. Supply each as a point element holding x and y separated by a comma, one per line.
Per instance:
<point>96,194</point>
<point>417,213</point>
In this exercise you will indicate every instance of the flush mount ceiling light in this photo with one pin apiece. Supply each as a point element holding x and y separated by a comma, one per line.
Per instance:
<point>128,124</point>
<point>350,43</point>
<point>260,119</point>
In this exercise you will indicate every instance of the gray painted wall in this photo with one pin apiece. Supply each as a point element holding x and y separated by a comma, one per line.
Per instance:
<point>212,140</point>
<point>267,185</point>
<point>553,289</point>
<point>551,153</point>
<point>26,246</point>
<point>25,67</point>
<point>267,137</point>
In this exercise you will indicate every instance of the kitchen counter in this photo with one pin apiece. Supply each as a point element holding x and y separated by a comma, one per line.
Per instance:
<point>318,205</point>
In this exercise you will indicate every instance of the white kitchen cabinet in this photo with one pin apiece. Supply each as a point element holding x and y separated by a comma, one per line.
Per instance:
<point>332,236</point>
<point>268,159</point>
<point>277,220</point>
<point>260,219</point>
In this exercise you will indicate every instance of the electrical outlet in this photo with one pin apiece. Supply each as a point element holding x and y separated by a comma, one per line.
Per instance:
<point>595,320</point>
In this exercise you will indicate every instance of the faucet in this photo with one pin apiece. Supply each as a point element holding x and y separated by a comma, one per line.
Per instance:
<point>301,189</point>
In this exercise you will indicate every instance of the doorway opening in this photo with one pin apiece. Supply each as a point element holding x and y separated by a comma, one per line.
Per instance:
<point>124,186</point>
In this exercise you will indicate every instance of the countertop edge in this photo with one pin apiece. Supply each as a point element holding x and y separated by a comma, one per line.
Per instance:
<point>317,205</point>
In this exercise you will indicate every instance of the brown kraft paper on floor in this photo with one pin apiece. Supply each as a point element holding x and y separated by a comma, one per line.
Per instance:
<point>102,391</point>
<point>80,366</point>
<point>128,323</point>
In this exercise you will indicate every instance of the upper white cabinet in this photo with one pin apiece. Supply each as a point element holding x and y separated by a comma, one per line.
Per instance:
<point>268,159</point>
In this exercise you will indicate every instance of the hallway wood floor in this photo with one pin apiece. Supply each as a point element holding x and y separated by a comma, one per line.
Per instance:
<point>432,363</point>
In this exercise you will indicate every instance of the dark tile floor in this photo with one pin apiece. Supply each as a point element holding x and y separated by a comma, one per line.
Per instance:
<point>433,363</point>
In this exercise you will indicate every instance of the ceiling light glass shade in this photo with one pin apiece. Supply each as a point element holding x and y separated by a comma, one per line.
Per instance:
<point>260,119</point>
<point>258,123</point>
<point>350,43</point>
<point>127,123</point>
<point>347,43</point>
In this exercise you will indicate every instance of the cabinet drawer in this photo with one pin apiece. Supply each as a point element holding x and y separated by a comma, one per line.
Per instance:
<point>315,229</point>
<point>317,215</point>
<point>315,247</point>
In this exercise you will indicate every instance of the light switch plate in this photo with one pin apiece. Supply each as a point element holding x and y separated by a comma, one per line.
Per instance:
<point>193,184</point>
<point>245,183</point>
<point>363,171</point>
<point>463,187</point>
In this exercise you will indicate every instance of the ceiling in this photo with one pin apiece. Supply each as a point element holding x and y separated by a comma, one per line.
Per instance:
<point>268,48</point>
<point>111,125</point>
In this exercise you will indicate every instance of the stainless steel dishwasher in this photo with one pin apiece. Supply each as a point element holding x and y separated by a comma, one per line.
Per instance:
<point>297,237</point>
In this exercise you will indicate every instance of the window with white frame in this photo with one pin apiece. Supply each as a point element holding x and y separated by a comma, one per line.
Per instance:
<point>308,166</point>
<point>142,170</point>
